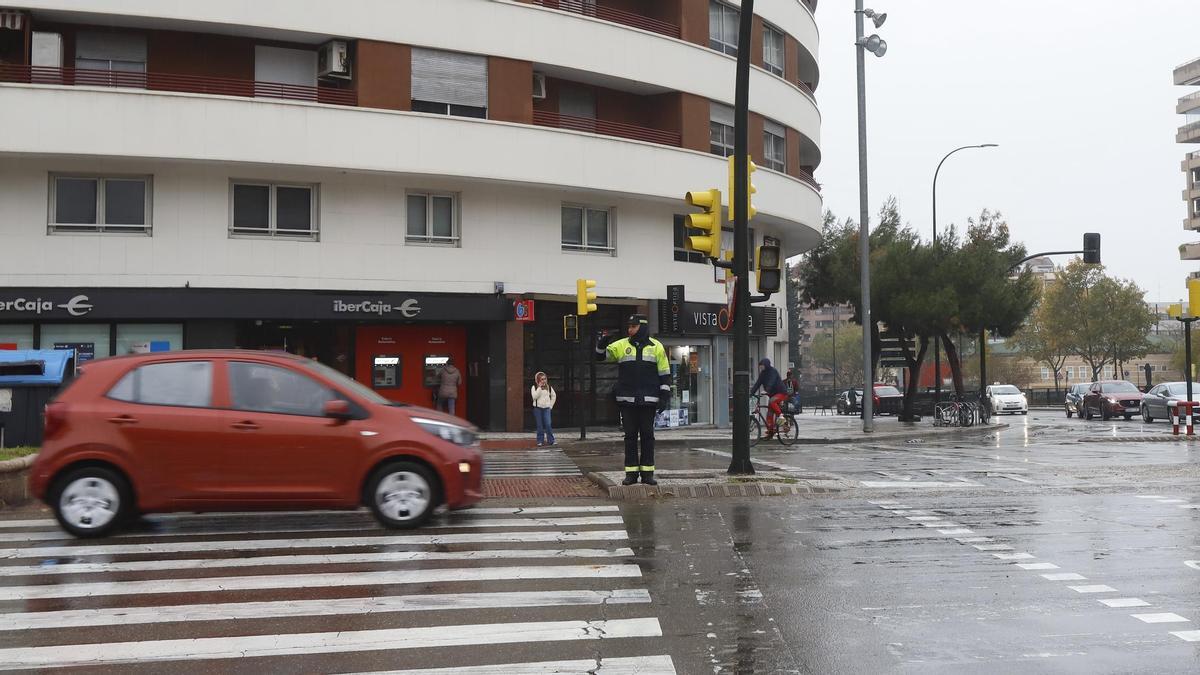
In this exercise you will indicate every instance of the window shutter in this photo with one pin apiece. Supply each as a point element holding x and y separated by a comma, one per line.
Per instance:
<point>774,128</point>
<point>449,77</point>
<point>720,113</point>
<point>110,47</point>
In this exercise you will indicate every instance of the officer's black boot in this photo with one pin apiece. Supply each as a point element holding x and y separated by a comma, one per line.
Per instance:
<point>648,478</point>
<point>630,478</point>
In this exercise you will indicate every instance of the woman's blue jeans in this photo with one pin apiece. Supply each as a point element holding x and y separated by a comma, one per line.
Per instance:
<point>544,430</point>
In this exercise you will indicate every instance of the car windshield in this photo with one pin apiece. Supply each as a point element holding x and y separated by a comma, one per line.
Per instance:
<point>1118,388</point>
<point>887,391</point>
<point>1080,388</point>
<point>1005,389</point>
<point>344,382</point>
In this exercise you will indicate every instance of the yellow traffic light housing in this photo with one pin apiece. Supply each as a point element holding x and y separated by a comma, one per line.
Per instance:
<point>1193,296</point>
<point>767,268</point>
<point>751,167</point>
<point>708,222</point>
<point>1175,310</point>
<point>585,297</point>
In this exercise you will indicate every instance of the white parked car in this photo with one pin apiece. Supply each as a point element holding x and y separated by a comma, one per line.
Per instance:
<point>1005,398</point>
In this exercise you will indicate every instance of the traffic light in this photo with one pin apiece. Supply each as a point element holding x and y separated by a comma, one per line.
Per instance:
<point>751,167</point>
<point>1091,248</point>
<point>767,268</point>
<point>1175,310</point>
<point>585,297</point>
<point>570,328</point>
<point>1193,296</point>
<point>708,222</point>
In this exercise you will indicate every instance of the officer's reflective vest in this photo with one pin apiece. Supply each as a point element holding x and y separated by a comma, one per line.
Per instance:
<point>643,372</point>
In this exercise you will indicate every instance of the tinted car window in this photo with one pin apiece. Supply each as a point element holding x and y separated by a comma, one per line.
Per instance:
<point>1119,388</point>
<point>180,383</point>
<point>259,387</point>
<point>887,391</point>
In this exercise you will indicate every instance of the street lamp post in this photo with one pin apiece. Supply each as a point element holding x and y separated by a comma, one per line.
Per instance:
<point>937,351</point>
<point>878,47</point>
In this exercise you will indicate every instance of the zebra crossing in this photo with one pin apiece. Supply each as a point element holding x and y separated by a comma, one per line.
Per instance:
<point>491,590</point>
<point>520,463</point>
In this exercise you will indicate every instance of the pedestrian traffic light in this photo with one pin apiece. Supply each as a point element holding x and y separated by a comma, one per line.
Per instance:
<point>1091,248</point>
<point>570,328</point>
<point>585,297</point>
<point>751,167</point>
<point>1193,296</point>
<point>708,222</point>
<point>767,268</point>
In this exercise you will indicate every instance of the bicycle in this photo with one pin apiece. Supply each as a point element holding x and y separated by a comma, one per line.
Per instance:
<point>786,428</point>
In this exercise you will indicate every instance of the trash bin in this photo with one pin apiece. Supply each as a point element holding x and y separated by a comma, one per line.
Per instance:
<point>29,378</point>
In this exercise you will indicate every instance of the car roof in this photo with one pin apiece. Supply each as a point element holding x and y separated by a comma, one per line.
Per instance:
<point>203,354</point>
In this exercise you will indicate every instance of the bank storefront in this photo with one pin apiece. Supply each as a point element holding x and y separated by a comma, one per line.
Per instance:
<point>393,342</point>
<point>699,343</point>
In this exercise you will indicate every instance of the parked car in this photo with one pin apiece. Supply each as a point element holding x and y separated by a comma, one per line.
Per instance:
<point>1156,404</point>
<point>1005,398</point>
<point>1111,398</point>
<point>1074,400</point>
<point>238,430</point>
<point>845,406</point>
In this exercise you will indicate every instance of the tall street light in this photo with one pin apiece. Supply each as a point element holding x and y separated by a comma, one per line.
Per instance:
<point>878,47</point>
<point>937,351</point>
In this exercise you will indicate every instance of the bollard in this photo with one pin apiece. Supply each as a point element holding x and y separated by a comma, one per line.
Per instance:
<point>1175,419</point>
<point>1189,405</point>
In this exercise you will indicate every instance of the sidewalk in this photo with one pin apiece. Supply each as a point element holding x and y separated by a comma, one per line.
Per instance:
<point>815,428</point>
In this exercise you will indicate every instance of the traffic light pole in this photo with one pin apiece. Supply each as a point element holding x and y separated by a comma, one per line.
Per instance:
<point>740,463</point>
<point>1187,356</point>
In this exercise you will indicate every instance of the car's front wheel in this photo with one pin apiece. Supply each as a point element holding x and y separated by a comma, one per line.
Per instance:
<point>91,501</point>
<point>1146,414</point>
<point>1068,413</point>
<point>402,495</point>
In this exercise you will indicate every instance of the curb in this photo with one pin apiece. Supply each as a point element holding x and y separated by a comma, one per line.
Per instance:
<point>1126,439</point>
<point>704,490</point>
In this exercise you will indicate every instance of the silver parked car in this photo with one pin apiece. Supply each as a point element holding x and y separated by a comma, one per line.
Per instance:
<point>1074,401</point>
<point>1156,404</point>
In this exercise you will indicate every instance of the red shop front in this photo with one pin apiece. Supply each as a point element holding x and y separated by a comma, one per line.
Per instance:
<point>403,362</point>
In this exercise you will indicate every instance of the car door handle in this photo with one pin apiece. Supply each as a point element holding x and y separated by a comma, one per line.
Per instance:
<point>123,419</point>
<point>249,426</point>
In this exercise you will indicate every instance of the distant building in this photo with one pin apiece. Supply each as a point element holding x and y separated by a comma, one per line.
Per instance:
<point>1042,267</point>
<point>1188,75</point>
<point>821,321</point>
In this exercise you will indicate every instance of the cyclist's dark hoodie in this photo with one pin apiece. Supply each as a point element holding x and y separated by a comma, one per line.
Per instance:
<point>769,380</point>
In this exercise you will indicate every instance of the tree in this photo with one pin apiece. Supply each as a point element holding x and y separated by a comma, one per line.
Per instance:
<point>1100,319</point>
<point>796,327</point>
<point>1039,342</point>
<point>840,353</point>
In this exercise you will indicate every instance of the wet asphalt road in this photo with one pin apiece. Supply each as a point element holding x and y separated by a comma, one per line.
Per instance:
<point>1019,551</point>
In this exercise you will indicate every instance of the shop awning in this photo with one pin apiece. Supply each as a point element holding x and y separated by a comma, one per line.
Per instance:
<point>12,19</point>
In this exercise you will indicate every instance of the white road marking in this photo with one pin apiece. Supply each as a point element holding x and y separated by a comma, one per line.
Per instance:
<point>319,542</point>
<point>45,522</point>
<point>452,524</point>
<point>992,547</point>
<point>1014,556</point>
<point>1188,506</point>
<point>525,510</point>
<point>1064,576</point>
<point>1098,588</point>
<point>1037,566</point>
<point>881,502</point>
<point>325,643</point>
<point>1187,635</point>
<point>972,540</point>
<point>320,580</point>
<point>641,665</point>
<point>1194,564</point>
<point>1149,497</point>
<point>1125,602</point>
<point>1164,617</point>
<point>314,559</point>
<point>957,530</point>
<point>922,518</point>
<point>916,484</point>
<point>1171,501</point>
<point>233,611</point>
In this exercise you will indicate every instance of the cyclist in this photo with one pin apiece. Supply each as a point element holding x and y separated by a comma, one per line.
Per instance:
<point>772,384</point>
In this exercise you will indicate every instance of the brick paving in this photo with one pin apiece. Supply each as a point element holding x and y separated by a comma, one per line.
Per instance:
<point>564,486</point>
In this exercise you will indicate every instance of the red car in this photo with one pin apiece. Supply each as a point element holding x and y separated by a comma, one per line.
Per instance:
<point>1111,398</point>
<point>243,430</point>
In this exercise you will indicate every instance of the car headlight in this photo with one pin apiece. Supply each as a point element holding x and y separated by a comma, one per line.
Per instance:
<point>454,433</point>
<point>1111,400</point>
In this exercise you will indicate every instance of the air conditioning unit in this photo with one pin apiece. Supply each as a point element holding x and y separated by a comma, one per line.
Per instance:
<point>333,59</point>
<point>539,86</point>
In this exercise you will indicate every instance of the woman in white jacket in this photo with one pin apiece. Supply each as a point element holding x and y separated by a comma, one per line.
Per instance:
<point>543,402</point>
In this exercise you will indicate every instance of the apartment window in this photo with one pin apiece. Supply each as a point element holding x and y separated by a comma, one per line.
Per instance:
<point>1196,207</point>
<point>720,129</point>
<point>681,235</point>
<point>449,83</point>
<point>99,204</point>
<point>1196,178</point>
<point>432,219</point>
<point>773,50</point>
<point>273,210</point>
<point>723,27</point>
<point>774,145</point>
<point>1045,374</point>
<point>114,52</point>
<point>586,228</point>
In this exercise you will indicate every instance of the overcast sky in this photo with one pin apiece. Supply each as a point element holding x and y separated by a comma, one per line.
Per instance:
<point>1079,96</point>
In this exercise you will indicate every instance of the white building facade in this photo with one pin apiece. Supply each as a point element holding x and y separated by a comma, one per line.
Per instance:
<point>378,184</point>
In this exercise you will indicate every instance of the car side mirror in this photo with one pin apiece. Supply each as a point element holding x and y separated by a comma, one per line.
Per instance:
<point>338,410</point>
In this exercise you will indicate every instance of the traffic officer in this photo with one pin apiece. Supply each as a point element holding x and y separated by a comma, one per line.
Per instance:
<point>643,389</point>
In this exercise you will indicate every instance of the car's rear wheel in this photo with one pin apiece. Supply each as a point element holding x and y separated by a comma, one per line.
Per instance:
<point>1087,413</point>
<point>1146,414</point>
<point>402,495</point>
<point>1068,413</point>
<point>91,501</point>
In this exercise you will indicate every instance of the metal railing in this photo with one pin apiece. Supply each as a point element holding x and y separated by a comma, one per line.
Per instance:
<point>622,17</point>
<point>806,177</point>
<point>192,84</point>
<point>606,128</point>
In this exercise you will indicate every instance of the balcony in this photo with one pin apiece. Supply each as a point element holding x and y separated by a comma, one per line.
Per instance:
<point>192,84</point>
<point>552,119</point>
<point>1189,251</point>
<point>1188,103</point>
<point>1188,73</point>
<point>596,9</point>
<point>1188,133</point>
